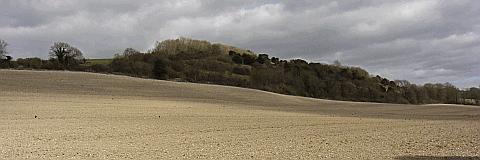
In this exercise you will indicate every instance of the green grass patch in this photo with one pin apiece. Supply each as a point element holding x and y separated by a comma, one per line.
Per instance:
<point>90,62</point>
<point>238,76</point>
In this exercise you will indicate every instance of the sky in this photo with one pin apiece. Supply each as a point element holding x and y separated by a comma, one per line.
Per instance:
<point>431,41</point>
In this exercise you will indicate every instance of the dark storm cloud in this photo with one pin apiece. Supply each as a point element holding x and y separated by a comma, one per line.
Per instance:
<point>422,41</point>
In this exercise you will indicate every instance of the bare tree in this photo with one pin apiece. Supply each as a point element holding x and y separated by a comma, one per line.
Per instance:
<point>76,53</point>
<point>3,49</point>
<point>130,51</point>
<point>337,63</point>
<point>65,53</point>
<point>403,83</point>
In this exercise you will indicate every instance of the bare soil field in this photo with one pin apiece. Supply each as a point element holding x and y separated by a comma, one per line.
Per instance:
<point>76,115</point>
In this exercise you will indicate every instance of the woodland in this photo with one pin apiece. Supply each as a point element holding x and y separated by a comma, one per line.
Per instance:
<point>199,61</point>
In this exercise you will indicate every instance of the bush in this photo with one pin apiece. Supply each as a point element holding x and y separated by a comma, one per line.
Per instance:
<point>248,59</point>
<point>241,70</point>
<point>35,63</point>
<point>237,59</point>
<point>100,68</point>
<point>52,64</point>
<point>6,63</point>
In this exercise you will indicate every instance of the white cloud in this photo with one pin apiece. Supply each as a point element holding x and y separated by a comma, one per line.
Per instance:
<point>442,71</point>
<point>78,21</point>
<point>338,55</point>
<point>419,76</point>
<point>56,5</point>
<point>420,73</point>
<point>238,22</point>
<point>379,20</point>
<point>397,43</point>
<point>414,11</point>
<point>455,44</point>
<point>20,31</point>
<point>457,39</point>
<point>188,5</point>
<point>320,11</point>
<point>121,23</point>
<point>265,14</point>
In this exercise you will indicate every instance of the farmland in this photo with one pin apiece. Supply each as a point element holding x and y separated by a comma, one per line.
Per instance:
<point>57,114</point>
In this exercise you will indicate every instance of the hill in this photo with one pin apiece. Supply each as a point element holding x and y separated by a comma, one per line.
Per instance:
<point>200,61</point>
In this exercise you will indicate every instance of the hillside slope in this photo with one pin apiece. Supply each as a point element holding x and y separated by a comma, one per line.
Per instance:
<point>77,115</point>
<point>79,83</point>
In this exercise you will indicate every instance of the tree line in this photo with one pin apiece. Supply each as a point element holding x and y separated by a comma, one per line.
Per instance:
<point>197,61</point>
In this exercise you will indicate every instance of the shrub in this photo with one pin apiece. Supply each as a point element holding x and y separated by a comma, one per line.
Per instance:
<point>237,59</point>
<point>35,62</point>
<point>248,59</point>
<point>100,68</point>
<point>241,70</point>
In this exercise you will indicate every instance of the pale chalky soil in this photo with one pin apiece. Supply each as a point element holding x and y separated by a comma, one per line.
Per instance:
<point>125,117</point>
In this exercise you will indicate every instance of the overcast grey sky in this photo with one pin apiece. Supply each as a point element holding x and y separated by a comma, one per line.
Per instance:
<point>434,41</point>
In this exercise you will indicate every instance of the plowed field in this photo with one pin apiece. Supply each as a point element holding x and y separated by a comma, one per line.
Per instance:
<point>76,115</point>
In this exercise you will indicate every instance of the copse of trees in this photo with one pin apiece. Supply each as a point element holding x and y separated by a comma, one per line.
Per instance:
<point>189,46</point>
<point>470,96</point>
<point>439,93</point>
<point>198,61</point>
<point>201,62</point>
